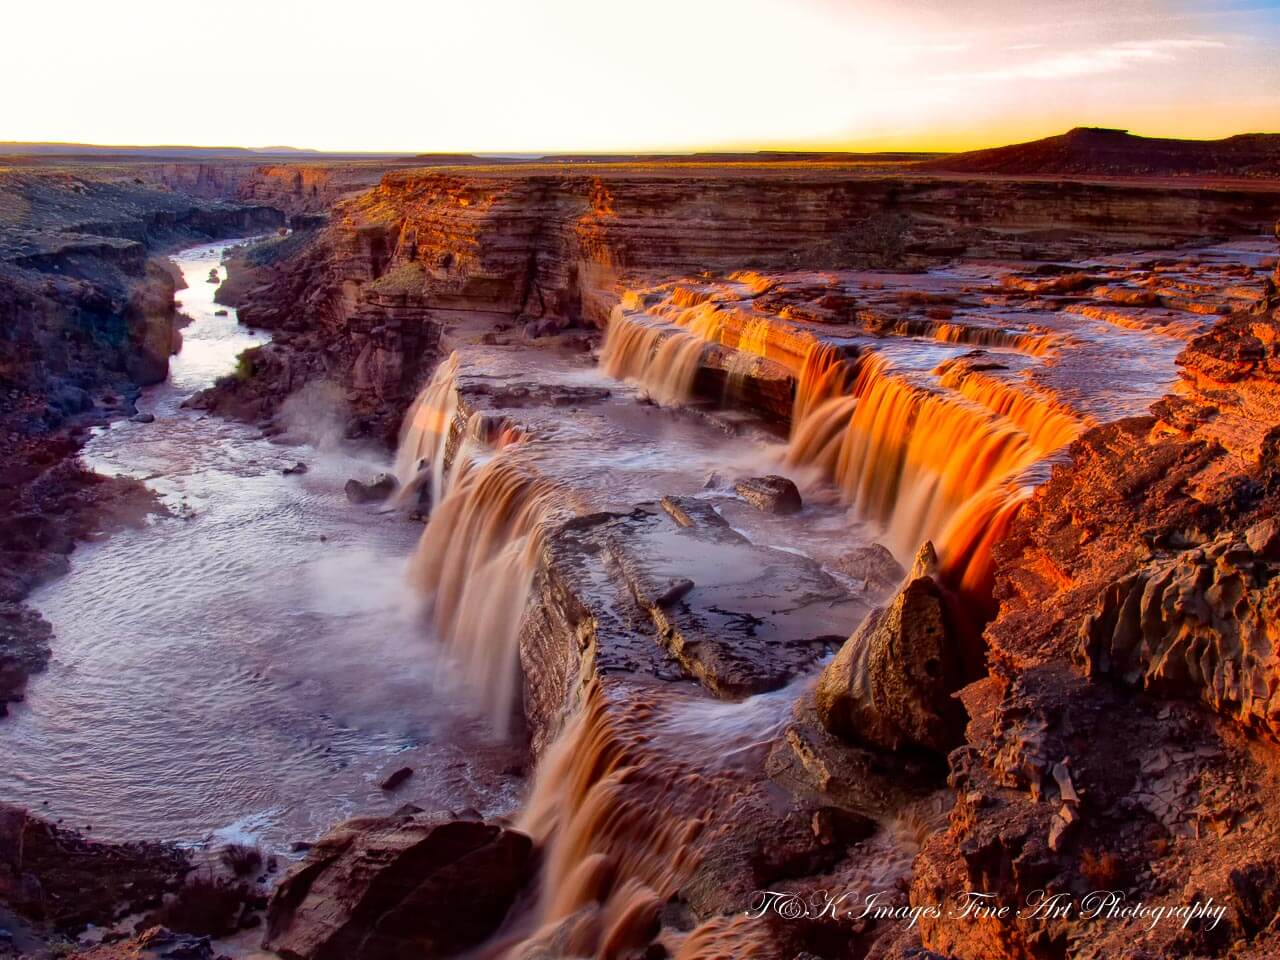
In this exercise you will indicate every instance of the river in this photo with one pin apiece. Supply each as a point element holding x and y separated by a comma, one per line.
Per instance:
<point>250,667</point>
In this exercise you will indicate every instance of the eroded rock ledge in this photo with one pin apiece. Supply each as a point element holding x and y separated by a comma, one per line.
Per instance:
<point>1146,564</point>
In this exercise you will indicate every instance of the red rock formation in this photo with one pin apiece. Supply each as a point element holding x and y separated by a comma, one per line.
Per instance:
<point>1147,562</point>
<point>398,887</point>
<point>891,684</point>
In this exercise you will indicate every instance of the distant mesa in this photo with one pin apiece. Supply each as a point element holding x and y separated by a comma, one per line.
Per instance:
<point>1101,151</point>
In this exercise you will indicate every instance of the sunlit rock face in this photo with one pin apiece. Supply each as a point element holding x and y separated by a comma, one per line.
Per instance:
<point>892,682</point>
<point>1146,563</point>
<point>996,407</point>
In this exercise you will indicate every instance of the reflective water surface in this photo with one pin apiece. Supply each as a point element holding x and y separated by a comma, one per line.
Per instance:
<point>254,664</point>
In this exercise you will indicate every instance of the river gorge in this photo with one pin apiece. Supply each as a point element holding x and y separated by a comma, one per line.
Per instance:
<point>561,561</point>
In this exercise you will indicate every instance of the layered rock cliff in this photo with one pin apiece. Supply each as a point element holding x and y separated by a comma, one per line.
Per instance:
<point>301,190</point>
<point>544,248</point>
<point>86,319</point>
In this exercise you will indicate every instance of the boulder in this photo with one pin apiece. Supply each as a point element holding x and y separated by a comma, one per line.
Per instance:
<point>143,418</point>
<point>874,565</point>
<point>295,468</point>
<point>396,777</point>
<point>385,888</point>
<point>772,494</point>
<point>892,682</point>
<point>381,488</point>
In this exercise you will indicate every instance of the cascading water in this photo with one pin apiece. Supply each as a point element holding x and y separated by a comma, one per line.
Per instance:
<point>925,465</point>
<point>633,797</point>
<point>1047,423</point>
<point>608,845</point>
<point>475,563</point>
<point>922,464</point>
<point>1033,344</point>
<point>421,452</point>
<point>477,556</point>
<point>662,357</point>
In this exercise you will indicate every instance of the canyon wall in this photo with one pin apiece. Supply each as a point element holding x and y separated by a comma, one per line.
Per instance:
<point>86,319</point>
<point>302,190</point>
<point>548,248</point>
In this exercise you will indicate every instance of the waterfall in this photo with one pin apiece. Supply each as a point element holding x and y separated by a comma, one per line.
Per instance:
<point>475,563</point>
<point>1035,344</point>
<point>623,805</point>
<point>421,453</point>
<point>660,354</point>
<point>925,465</point>
<point>478,553</point>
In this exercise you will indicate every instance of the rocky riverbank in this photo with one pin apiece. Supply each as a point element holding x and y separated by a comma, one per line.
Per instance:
<point>1119,573</point>
<point>1009,633</point>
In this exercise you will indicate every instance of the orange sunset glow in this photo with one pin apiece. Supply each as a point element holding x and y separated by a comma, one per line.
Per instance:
<point>572,75</point>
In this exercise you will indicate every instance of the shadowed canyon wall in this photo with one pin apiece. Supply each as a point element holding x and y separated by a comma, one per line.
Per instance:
<point>86,319</point>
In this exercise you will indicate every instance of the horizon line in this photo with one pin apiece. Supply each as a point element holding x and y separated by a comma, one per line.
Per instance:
<point>74,146</point>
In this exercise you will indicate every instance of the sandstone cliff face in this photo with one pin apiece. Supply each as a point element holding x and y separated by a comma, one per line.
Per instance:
<point>1147,563</point>
<point>545,248</point>
<point>549,244</point>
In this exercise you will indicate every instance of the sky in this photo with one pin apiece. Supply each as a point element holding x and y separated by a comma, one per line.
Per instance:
<point>533,76</point>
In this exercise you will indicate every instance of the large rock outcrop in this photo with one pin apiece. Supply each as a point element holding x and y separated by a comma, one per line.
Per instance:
<point>1200,624</point>
<point>891,684</point>
<point>395,888</point>
<point>1147,562</point>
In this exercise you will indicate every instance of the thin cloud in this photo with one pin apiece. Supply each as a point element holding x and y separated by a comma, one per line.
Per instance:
<point>912,48</point>
<point>1102,59</point>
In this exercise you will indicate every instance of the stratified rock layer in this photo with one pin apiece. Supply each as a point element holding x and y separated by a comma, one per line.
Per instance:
<point>397,888</point>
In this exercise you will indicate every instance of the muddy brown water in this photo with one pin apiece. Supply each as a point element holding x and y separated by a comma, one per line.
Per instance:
<point>224,673</point>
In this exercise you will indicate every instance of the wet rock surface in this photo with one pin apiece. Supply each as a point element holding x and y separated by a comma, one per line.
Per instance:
<point>892,682</point>
<point>771,494</point>
<point>383,486</point>
<point>398,887</point>
<point>875,566</point>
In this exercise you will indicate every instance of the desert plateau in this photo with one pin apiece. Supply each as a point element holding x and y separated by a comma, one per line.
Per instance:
<point>774,546</point>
